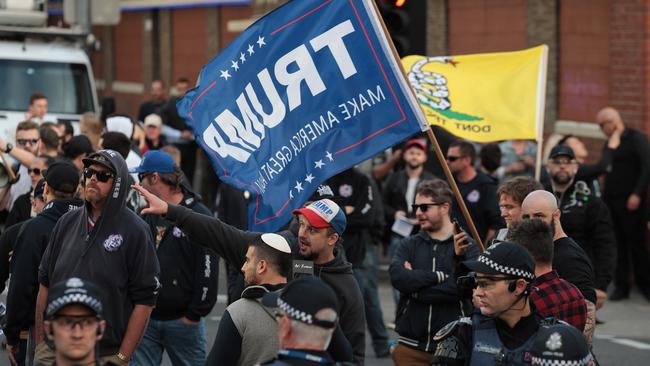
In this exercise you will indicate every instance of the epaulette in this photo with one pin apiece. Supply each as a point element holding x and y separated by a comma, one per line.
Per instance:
<point>448,329</point>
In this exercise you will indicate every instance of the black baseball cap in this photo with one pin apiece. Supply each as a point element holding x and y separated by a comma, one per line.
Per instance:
<point>73,291</point>
<point>99,158</point>
<point>62,176</point>
<point>562,150</point>
<point>560,345</point>
<point>504,258</point>
<point>302,298</point>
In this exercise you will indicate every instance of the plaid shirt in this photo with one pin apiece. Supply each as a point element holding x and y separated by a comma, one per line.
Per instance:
<point>553,296</point>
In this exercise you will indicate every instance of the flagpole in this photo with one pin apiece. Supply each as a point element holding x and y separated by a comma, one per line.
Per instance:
<point>436,146</point>
<point>541,106</point>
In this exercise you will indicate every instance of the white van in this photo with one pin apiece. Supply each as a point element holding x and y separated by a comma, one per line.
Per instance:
<point>59,70</point>
<point>37,58</point>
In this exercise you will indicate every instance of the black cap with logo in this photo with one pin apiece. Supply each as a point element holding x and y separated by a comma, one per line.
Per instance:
<point>70,292</point>
<point>562,150</point>
<point>560,345</point>
<point>506,258</point>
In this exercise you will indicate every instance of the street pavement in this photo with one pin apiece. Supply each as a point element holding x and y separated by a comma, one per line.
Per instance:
<point>624,338</point>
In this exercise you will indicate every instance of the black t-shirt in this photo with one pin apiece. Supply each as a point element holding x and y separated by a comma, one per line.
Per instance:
<point>572,264</point>
<point>480,195</point>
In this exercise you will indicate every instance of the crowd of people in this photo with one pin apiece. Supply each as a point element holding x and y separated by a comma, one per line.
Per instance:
<point>112,257</point>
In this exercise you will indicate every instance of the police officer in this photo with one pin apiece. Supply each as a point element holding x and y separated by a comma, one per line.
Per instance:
<point>561,345</point>
<point>505,328</point>
<point>585,217</point>
<point>74,322</point>
<point>307,319</point>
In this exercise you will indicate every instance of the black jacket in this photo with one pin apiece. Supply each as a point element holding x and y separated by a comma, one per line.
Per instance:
<point>586,219</point>
<point>352,188</point>
<point>189,273</point>
<point>480,195</point>
<point>429,298</point>
<point>231,244</point>
<point>394,194</point>
<point>117,254</point>
<point>21,210</point>
<point>29,246</point>
<point>7,241</point>
<point>630,170</point>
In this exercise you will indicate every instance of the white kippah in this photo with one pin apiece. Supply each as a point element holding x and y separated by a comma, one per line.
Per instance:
<point>277,242</point>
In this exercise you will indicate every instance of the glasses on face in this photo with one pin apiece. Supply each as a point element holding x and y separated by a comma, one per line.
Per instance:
<point>36,171</point>
<point>101,176</point>
<point>24,142</point>
<point>486,281</point>
<point>70,321</point>
<point>424,206</point>
<point>451,159</point>
<point>142,176</point>
<point>562,161</point>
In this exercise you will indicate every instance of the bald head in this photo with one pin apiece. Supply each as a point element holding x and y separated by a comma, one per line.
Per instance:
<point>609,120</point>
<point>540,205</point>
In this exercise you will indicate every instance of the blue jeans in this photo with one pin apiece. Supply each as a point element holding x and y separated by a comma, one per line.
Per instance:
<point>185,344</point>
<point>395,240</point>
<point>367,277</point>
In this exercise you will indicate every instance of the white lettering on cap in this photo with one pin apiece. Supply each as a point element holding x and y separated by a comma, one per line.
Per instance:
<point>277,242</point>
<point>325,208</point>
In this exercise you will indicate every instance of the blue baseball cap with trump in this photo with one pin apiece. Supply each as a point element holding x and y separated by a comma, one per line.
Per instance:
<point>155,161</point>
<point>324,213</point>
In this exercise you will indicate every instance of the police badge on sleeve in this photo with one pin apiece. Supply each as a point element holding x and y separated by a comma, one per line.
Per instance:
<point>113,242</point>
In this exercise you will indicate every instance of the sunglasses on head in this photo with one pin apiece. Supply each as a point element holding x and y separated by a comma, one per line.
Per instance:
<point>424,206</point>
<point>101,176</point>
<point>23,142</point>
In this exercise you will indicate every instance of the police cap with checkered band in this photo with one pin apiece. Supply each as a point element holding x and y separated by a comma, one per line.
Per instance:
<point>302,298</point>
<point>73,291</point>
<point>504,258</point>
<point>560,345</point>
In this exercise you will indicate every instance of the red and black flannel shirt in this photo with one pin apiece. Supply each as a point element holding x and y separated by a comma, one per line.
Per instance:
<point>553,296</point>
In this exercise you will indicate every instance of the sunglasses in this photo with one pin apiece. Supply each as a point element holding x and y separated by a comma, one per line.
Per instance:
<point>453,158</point>
<point>142,176</point>
<point>36,171</point>
<point>425,206</point>
<point>101,176</point>
<point>24,142</point>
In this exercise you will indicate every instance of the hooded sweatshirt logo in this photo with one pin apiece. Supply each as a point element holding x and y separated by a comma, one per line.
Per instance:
<point>113,242</point>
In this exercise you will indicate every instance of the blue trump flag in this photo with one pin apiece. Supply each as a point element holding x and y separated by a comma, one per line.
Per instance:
<point>304,93</point>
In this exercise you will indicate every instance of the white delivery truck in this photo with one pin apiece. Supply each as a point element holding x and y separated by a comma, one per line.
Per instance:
<point>37,58</point>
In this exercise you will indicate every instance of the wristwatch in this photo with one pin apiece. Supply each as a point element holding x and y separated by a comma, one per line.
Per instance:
<point>8,148</point>
<point>122,357</point>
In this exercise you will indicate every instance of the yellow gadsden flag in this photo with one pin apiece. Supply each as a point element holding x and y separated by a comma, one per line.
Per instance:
<point>483,97</point>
